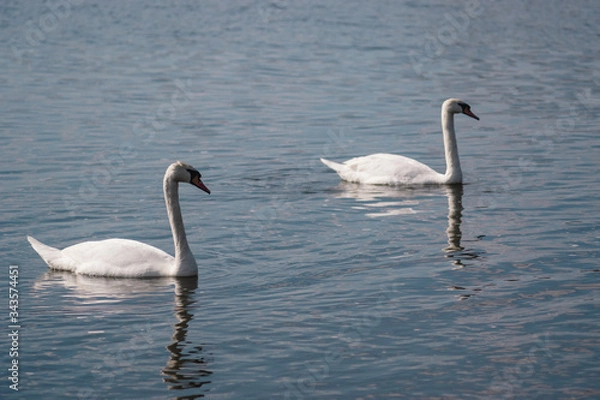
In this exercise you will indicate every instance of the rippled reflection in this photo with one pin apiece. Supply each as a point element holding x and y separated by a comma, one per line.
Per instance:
<point>388,201</point>
<point>383,201</point>
<point>100,297</point>
<point>455,208</point>
<point>455,250</point>
<point>187,365</point>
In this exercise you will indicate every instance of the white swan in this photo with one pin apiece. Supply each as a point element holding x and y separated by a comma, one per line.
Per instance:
<point>129,258</point>
<point>391,169</point>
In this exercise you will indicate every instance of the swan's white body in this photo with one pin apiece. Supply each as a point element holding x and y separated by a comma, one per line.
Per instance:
<point>391,169</point>
<point>129,258</point>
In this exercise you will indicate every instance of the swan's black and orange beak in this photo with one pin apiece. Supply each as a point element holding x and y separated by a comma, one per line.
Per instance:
<point>198,183</point>
<point>467,111</point>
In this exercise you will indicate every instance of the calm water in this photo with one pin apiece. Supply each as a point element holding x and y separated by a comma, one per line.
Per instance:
<point>309,288</point>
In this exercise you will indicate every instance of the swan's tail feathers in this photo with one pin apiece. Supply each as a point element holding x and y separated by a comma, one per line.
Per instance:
<point>50,255</point>
<point>337,167</point>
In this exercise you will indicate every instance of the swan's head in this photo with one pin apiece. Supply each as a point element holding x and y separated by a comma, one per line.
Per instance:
<point>457,106</point>
<point>182,172</point>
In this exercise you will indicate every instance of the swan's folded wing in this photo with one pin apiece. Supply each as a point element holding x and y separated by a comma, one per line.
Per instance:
<point>389,169</point>
<point>119,257</point>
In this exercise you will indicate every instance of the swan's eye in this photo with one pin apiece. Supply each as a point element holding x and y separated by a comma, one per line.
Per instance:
<point>194,173</point>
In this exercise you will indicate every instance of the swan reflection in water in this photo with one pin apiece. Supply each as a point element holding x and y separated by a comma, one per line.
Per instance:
<point>455,208</point>
<point>386,201</point>
<point>187,366</point>
<point>455,250</point>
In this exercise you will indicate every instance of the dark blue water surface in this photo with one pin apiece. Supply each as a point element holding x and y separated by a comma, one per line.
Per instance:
<point>308,288</point>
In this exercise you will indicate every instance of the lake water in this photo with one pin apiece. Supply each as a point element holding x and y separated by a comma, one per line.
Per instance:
<point>309,288</point>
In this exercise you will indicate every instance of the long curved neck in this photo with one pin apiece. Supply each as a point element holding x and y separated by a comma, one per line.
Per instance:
<point>453,171</point>
<point>184,259</point>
